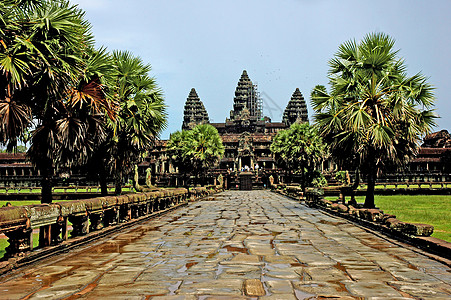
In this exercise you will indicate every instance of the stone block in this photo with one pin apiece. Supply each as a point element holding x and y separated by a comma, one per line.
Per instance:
<point>395,224</point>
<point>109,201</point>
<point>75,207</point>
<point>343,208</point>
<point>254,288</point>
<point>123,199</point>
<point>10,216</point>
<point>419,229</point>
<point>334,206</point>
<point>43,214</point>
<point>94,204</point>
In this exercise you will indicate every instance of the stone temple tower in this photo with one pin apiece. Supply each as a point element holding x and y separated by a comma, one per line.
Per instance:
<point>296,109</point>
<point>246,99</point>
<point>195,112</point>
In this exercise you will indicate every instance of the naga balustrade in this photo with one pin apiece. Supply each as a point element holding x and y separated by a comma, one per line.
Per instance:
<point>86,215</point>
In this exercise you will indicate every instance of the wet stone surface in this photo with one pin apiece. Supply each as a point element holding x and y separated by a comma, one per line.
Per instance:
<point>236,245</point>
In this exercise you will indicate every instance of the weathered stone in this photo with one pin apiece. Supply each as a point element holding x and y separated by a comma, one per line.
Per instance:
<point>296,109</point>
<point>194,112</point>
<point>254,288</point>
<point>202,251</point>
<point>342,208</point>
<point>419,229</point>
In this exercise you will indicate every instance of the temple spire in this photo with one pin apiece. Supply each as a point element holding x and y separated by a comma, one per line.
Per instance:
<point>246,99</point>
<point>194,112</point>
<point>296,109</point>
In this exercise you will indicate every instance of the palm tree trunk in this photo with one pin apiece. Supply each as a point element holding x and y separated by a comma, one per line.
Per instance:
<point>371,182</point>
<point>46,183</point>
<point>103,181</point>
<point>118,182</point>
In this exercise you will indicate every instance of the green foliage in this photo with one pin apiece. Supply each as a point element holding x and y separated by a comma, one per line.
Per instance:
<point>318,179</point>
<point>342,177</point>
<point>375,115</point>
<point>51,74</point>
<point>197,150</point>
<point>140,119</point>
<point>298,149</point>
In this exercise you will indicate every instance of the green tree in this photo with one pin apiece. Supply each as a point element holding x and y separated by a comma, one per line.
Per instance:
<point>195,151</point>
<point>375,114</point>
<point>141,118</point>
<point>298,150</point>
<point>48,83</point>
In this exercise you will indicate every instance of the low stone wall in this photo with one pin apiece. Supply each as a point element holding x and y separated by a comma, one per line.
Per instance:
<point>88,217</point>
<point>413,233</point>
<point>292,191</point>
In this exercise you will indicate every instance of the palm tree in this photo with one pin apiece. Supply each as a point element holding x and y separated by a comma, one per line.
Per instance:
<point>298,150</point>
<point>141,116</point>
<point>53,82</point>
<point>195,151</point>
<point>375,113</point>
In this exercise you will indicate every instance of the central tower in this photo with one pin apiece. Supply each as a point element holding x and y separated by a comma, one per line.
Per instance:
<point>247,101</point>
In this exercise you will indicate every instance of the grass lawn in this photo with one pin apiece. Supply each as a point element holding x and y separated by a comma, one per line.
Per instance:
<point>430,209</point>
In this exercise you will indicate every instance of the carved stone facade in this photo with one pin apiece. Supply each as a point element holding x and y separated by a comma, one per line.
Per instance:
<point>296,110</point>
<point>195,112</point>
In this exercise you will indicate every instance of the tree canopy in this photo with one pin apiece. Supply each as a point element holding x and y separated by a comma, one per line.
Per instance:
<point>195,151</point>
<point>70,95</point>
<point>299,149</point>
<point>375,114</point>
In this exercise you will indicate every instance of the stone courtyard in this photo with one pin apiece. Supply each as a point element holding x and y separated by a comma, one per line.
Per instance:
<point>237,245</point>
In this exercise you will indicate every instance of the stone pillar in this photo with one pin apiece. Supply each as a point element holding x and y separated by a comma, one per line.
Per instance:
<point>79,225</point>
<point>96,221</point>
<point>20,240</point>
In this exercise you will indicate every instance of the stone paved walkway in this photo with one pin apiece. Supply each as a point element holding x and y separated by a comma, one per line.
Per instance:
<point>237,245</point>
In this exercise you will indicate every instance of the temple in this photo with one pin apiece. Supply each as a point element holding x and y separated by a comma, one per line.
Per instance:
<point>246,134</point>
<point>194,112</point>
<point>296,110</point>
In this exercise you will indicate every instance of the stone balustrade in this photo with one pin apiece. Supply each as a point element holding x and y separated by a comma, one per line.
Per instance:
<point>88,215</point>
<point>414,233</point>
<point>314,198</point>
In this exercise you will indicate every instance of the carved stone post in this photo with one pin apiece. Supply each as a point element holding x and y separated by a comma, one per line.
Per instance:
<point>79,225</point>
<point>96,221</point>
<point>124,213</point>
<point>110,217</point>
<point>20,240</point>
<point>55,230</point>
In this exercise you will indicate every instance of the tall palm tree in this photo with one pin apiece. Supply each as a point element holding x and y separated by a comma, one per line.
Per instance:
<point>141,116</point>
<point>375,113</point>
<point>49,82</point>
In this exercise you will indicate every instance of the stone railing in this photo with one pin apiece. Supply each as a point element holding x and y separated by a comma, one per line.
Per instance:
<point>86,216</point>
<point>414,233</point>
<point>292,191</point>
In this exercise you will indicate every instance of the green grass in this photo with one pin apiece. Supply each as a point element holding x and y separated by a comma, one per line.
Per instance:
<point>20,203</point>
<point>431,209</point>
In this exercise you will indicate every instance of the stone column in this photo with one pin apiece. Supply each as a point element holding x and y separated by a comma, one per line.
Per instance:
<point>79,225</point>
<point>20,240</point>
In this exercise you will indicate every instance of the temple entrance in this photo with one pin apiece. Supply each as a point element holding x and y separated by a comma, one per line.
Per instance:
<point>246,181</point>
<point>246,163</point>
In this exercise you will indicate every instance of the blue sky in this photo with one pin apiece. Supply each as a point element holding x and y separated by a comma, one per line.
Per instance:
<point>283,45</point>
